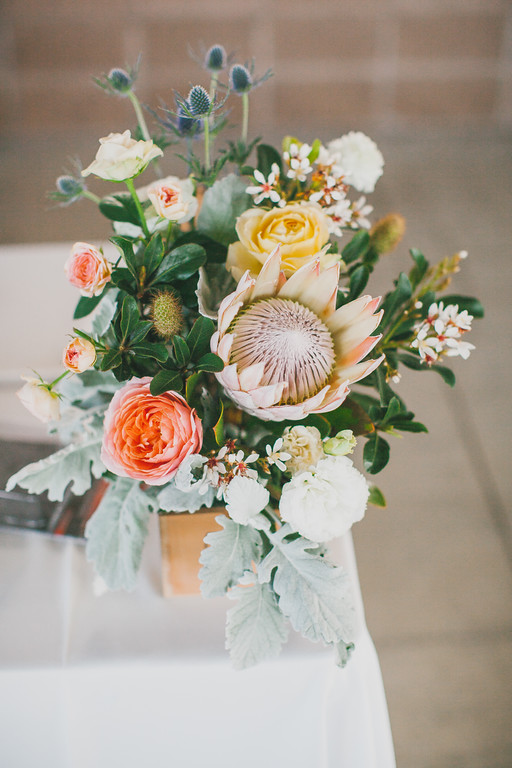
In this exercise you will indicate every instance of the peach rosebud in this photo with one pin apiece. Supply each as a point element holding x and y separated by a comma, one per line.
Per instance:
<point>147,437</point>
<point>173,199</point>
<point>79,355</point>
<point>39,399</point>
<point>87,269</point>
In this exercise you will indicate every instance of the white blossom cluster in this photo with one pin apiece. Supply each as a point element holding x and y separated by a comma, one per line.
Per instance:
<point>440,333</point>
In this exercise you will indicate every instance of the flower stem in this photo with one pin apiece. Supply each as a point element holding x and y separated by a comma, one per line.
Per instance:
<point>131,188</point>
<point>56,381</point>
<point>206,122</point>
<point>143,126</point>
<point>245,117</point>
<point>91,196</point>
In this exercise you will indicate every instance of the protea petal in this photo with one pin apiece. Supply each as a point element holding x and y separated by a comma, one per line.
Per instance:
<point>250,377</point>
<point>347,314</point>
<point>319,294</point>
<point>299,281</point>
<point>268,278</point>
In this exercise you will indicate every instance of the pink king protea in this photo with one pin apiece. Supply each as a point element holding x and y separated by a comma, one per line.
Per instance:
<point>288,351</point>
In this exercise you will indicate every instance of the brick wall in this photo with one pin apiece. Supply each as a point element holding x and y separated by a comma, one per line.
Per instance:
<point>390,67</point>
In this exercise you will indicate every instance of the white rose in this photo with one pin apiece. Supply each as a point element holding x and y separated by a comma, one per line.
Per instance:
<point>120,157</point>
<point>358,158</point>
<point>304,444</point>
<point>325,502</point>
<point>38,400</point>
<point>245,499</point>
<point>173,199</point>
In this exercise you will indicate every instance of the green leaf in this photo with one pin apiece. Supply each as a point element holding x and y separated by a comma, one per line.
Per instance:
<point>129,316</point>
<point>375,454</point>
<point>85,306</point>
<point>210,363</point>
<point>218,428</point>
<point>410,426</point>
<point>124,280</point>
<point>153,254</point>
<point>77,464</point>
<point>357,247</point>
<point>120,207</point>
<point>181,350</point>
<point>414,362</point>
<point>190,386</point>
<point>267,156</point>
<point>147,349</point>
<point>229,554</point>
<point>358,280</point>
<point>314,594</point>
<point>116,533</point>
<point>140,332</point>
<point>446,374</point>
<point>376,497</point>
<point>469,303</point>
<point>198,339</point>
<point>393,409</point>
<point>126,249</point>
<point>180,264</point>
<point>222,205</point>
<point>166,381</point>
<point>255,627</point>
<point>419,271</point>
<point>111,359</point>
<point>396,298</point>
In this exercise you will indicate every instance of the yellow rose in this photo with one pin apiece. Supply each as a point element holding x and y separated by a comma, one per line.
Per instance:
<point>301,229</point>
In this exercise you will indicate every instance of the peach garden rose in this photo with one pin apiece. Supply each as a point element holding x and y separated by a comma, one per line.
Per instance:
<point>173,199</point>
<point>87,269</point>
<point>79,355</point>
<point>300,229</point>
<point>147,437</point>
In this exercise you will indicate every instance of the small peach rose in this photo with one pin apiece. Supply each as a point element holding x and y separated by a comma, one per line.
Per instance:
<point>120,157</point>
<point>87,269</point>
<point>173,199</point>
<point>39,400</point>
<point>79,355</point>
<point>147,437</point>
<point>300,229</point>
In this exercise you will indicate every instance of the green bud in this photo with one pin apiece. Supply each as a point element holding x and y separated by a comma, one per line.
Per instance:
<point>386,233</point>
<point>166,314</point>
<point>343,443</point>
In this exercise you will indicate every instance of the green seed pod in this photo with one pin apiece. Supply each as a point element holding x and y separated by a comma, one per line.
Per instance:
<point>166,314</point>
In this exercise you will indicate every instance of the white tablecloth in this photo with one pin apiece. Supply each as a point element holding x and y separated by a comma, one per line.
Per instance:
<point>136,681</point>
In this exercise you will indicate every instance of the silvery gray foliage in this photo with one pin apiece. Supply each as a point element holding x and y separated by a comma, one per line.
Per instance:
<point>86,389</point>
<point>171,499</point>
<point>116,533</point>
<point>222,204</point>
<point>343,652</point>
<point>312,592</point>
<point>228,556</point>
<point>255,629</point>
<point>104,313</point>
<point>77,463</point>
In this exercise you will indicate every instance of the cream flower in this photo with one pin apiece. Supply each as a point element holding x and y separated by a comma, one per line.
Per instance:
<point>245,498</point>
<point>39,400</point>
<point>173,199</point>
<point>358,159</point>
<point>287,350</point>
<point>325,502</point>
<point>304,444</point>
<point>120,157</point>
<point>79,355</point>
<point>300,229</point>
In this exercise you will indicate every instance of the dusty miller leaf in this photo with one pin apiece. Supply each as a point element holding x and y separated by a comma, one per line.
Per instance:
<point>116,533</point>
<point>172,499</point>
<point>255,628</point>
<point>313,593</point>
<point>229,554</point>
<point>77,464</point>
<point>104,313</point>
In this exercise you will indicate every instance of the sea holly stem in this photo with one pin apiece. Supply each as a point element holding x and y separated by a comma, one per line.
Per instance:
<point>131,188</point>
<point>91,196</point>
<point>206,127</point>
<point>245,117</point>
<point>143,125</point>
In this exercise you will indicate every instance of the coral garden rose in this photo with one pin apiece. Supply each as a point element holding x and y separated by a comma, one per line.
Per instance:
<point>87,269</point>
<point>39,400</point>
<point>79,355</point>
<point>300,229</point>
<point>173,199</point>
<point>120,157</point>
<point>147,437</point>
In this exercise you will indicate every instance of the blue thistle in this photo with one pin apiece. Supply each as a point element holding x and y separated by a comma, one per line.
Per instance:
<point>198,101</point>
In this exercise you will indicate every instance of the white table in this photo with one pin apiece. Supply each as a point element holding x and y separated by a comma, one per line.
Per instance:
<point>136,681</point>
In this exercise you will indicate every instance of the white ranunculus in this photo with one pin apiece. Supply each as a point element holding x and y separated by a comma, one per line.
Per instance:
<point>173,199</point>
<point>245,499</point>
<point>120,157</point>
<point>304,444</point>
<point>39,401</point>
<point>358,158</point>
<point>325,502</point>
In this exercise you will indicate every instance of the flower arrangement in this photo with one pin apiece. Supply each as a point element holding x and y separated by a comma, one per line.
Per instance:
<point>224,342</point>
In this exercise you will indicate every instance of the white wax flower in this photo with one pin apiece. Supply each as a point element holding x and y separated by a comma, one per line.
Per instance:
<point>173,199</point>
<point>358,158</point>
<point>38,400</point>
<point>325,502</point>
<point>245,499</point>
<point>120,157</point>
